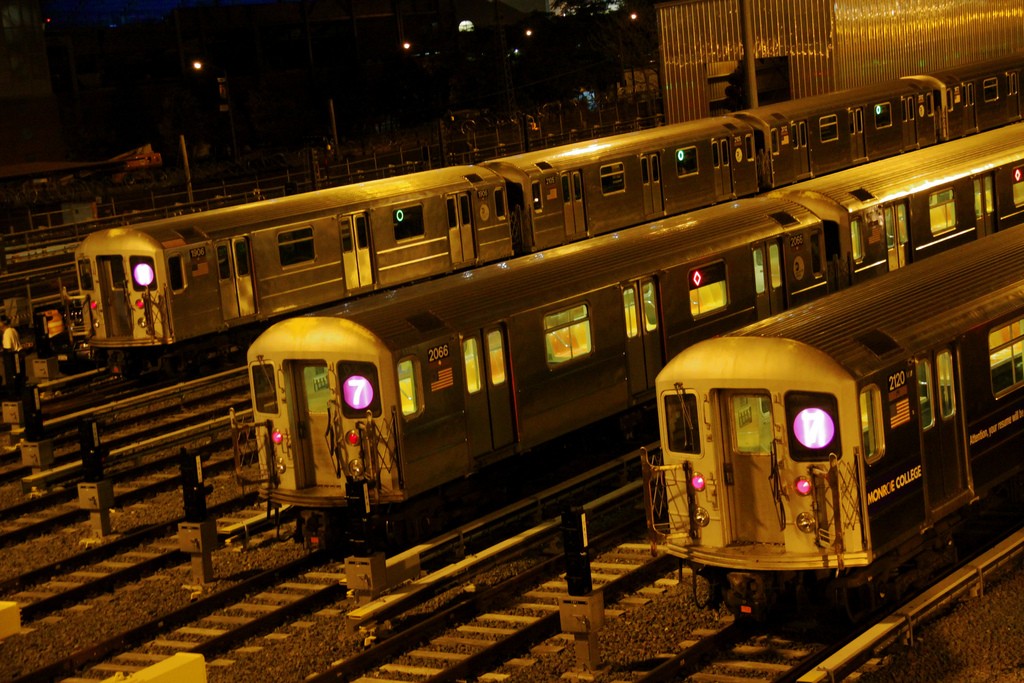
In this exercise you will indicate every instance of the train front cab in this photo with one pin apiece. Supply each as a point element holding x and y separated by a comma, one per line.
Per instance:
<point>756,485</point>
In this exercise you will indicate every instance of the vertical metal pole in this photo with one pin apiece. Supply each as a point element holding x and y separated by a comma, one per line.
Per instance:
<point>188,172</point>
<point>749,57</point>
<point>334,124</point>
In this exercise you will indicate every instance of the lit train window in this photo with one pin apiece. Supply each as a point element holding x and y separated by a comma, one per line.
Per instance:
<point>315,385</point>
<point>143,273</point>
<point>264,389</point>
<point>1006,356</point>
<point>872,438</point>
<point>681,424</point>
<point>812,422</point>
<point>1018,185</point>
<point>613,178</point>
<point>759,283</point>
<point>629,306</point>
<point>751,422</point>
<point>85,274</point>
<point>883,115</point>
<point>293,246</point>
<point>857,237</point>
<point>686,161</point>
<point>984,202</point>
<point>496,357</point>
<point>408,387</point>
<point>650,297</point>
<point>471,361</point>
<point>925,400</point>
<point>537,205</point>
<point>942,211</point>
<point>360,389</point>
<point>708,291</point>
<point>990,89</point>
<point>407,222</point>
<point>947,400</point>
<point>828,128</point>
<point>567,334</point>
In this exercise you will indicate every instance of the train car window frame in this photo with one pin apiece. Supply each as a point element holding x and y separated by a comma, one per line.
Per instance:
<point>925,397</point>
<point>568,335</point>
<point>990,89</point>
<point>944,378</point>
<point>452,212</point>
<point>1017,184</point>
<point>883,115</point>
<point>750,415</point>
<point>85,278</point>
<point>263,380</point>
<point>629,308</point>
<point>942,211</point>
<point>857,240</point>
<point>176,273</point>
<point>296,246</point>
<point>682,426</point>
<point>223,262</point>
<point>775,142</point>
<point>687,161</point>
<point>407,377</point>
<point>828,128</point>
<point>708,290</point>
<point>496,357</point>
<point>471,365</point>
<point>500,207</point>
<point>649,299</point>
<point>760,281</point>
<point>407,222</point>
<point>613,178</point>
<point>1006,352</point>
<point>748,143</point>
<point>872,433</point>
<point>538,203</point>
<point>775,262</point>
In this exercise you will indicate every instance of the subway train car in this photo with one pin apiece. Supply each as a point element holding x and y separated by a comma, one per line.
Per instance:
<point>187,287</point>
<point>416,388</point>
<point>825,455</point>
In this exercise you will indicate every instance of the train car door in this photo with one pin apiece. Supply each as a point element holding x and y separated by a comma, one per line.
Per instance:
<point>356,252</point>
<point>650,176</point>
<point>910,133</point>
<point>721,168</point>
<point>801,150</point>
<point>572,205</point>
<point>1013,95</point>
<point>768,278</point>
<point>984,205</point>
<point>750,468</point>
<point>895,219</point>
<point>490,422</point>
<point>970,109</point>
<point>856,115</point>
<point>944,470</point>
<point>115,300</point>
<point>234,273</point>
<point>460,229</point>
<point>310,398</point>
<point>643,338</point>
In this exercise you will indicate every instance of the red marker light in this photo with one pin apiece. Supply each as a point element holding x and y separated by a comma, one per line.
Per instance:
<point>93,305</point>
<point>697,481</point>
<point>139,303</point>
<point>276,436</point>
<point>352,438</point>
<point>803,486</point>
<point>696,278</point>
<point>1018,174</point>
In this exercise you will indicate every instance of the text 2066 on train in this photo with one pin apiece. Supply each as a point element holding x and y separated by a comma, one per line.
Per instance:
<point>174,290</point>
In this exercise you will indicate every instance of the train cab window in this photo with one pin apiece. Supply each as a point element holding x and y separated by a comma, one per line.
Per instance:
<point>471,362</point>
<point>535,188</point>
<point>990,89</point>
<point>686,161</point>
<point>567,334</point>
<point>751,418</point>
<point>316,386</point>
<point>408,387</point>
<point>629,306</point>
<point>143,272</point>
<point>944,369</point>
<point>775,142</point>
<point>895,218</point>
<point>499,204</point>
<point>883,115</point>
<point>650,297</point>
<point>925,399</point>
<point>264,389</point>
<point>942,211</point>
<point>175,273</point>
<point>407,222</point>
<point>872,439</point>
<point>496,357</point>
<point>984,202</point>
<point>708,290</point>
<point>293,247</point>
<point>682,427</point>
<point>223,262</point>
<point>828,128</point>
<point>85,274</point>
<point>748,143</point>
<point>1006,356</point>
<point>613,178</point>
<point>857,238</point>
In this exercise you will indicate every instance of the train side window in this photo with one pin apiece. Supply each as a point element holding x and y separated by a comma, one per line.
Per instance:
<point>242,255</point>
<point>408,386</point>
<point>223,262</point>
<point>775,142</point>
<point>1018,186</point>
<point>725,152</point>
<point>176,273</point>
<point>655,168</point>
<point>759,283</point>
<point>774,263</point>
<point>708,291</point>
<point>567,334</point>
<point>499,204</point>
<point>613,178</point>
<point>895,225</point>
<point>453,217</point>
<point>464,211</point>
<point>925,400</point>
<point>857,237</point>
<point>471,361</point>
<point>828,128</point>
<point>535,187</point>
<point>1006,356</point>
<point>883,115</point>
<point>264,388</point>
<point>681,424</point>
<point>407,222</point>
<point>645,170</point>
<point>714,155</point>
<point>362,232</point>
<point>650,299</point>
<point>942,211</point>
<point>496,357</point>
<point>802,127</point>
<point>629,307</point>
<point>990,89</point>
<point>294,246</point>
<point>817,263</point>
<point>947,400</point>
<point>748,142</point>
<point>566,194</point>
<point>872,438</point>
<point>686,161</point>
<point>983,199</point>
<point>85,274</point>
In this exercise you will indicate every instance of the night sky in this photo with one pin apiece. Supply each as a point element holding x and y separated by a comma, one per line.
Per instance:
<point>116,12</point>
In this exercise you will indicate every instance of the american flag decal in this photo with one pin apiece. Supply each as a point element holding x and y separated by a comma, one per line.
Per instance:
<point>445,379</point>
<point>899,413</point>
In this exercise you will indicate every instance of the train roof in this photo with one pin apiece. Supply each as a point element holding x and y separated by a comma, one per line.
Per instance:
<point>789,110</point>
<point>474,298</point>
<point>928,303</point>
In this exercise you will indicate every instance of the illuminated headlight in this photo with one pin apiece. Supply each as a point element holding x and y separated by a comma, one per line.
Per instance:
<point>701,517</point>
<point>142,322</point>
<point>355,468</point>
<point>281,467</point>
<point>805,522</point>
